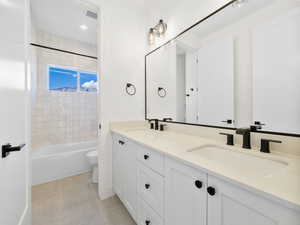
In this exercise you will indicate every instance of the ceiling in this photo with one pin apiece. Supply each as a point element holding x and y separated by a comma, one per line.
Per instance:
<point>64,18</point>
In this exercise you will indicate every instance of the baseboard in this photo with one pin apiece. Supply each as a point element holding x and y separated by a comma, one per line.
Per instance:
<point>105,194</point>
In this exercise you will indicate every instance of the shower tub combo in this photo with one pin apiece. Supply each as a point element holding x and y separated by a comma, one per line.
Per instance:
<point>60,161</point>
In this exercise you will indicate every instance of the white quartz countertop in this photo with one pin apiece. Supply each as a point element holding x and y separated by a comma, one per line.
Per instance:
<point>282,185</point>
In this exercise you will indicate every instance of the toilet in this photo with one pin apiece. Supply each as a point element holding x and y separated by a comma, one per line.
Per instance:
<point>93,160</point>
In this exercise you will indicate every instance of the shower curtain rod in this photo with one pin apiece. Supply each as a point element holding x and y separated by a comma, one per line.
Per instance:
<point>60,50</point>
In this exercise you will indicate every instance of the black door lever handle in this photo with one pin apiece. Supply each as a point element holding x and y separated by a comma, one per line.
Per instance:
<point>6,149</point>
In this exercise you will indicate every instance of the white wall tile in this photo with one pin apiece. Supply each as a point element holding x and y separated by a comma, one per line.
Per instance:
<point>62,117</point>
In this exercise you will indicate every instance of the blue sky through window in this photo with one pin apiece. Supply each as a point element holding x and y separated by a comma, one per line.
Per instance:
<point>88,82</point>
<point>62,79</point>
<point>67,80</point>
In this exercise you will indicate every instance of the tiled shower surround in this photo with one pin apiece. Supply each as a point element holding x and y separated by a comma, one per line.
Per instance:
<point>62,117</point>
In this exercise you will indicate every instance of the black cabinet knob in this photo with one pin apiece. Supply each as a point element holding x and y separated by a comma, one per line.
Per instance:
<point>211,191</point>
<point>198,184</point>
<point>121,142</point>
<point>146,157</point>
<point>147,186</point>
<point>147,222</point>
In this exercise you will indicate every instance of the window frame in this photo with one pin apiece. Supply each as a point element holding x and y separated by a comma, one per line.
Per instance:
<point>76,69</point>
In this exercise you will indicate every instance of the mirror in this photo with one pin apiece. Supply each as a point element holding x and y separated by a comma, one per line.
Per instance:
<point>239,67</point>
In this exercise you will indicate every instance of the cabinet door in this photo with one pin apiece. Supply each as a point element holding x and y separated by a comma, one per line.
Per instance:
<point>185,195</point>
<point>232,205</point>
<point>125,172</point>
<point>129,162</point>
<point>117,166</point>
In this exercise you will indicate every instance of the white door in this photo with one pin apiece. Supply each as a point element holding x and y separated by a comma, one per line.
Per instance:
<point>185,195</point>
<point>232,205</point>
<point>191,88</point>
<point>276,73</point>
<point>13,167</point>
<point>216,83</point>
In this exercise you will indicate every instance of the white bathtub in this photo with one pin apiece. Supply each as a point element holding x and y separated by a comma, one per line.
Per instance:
<point>60,161</point>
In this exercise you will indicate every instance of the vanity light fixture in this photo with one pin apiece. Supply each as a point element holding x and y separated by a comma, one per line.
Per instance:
<point>158,30</point>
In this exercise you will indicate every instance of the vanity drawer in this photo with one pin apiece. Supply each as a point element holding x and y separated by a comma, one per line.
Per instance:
<point>146,215</point>
<point>152,159</point>
<point>151,188</point>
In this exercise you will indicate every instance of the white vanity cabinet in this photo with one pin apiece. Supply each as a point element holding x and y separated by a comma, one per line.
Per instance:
<point>125,172</point>
<point>159,190</point>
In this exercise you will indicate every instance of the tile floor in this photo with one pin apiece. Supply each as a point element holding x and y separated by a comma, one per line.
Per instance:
<point>74,201</point>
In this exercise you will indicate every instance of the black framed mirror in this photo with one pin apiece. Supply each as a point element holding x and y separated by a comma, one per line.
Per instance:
<point>225,71</point>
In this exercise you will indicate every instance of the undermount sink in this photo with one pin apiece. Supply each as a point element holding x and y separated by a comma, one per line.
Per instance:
<point>238,160</point>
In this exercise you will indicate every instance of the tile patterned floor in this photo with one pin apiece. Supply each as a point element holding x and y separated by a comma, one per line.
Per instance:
<point>74,201</point>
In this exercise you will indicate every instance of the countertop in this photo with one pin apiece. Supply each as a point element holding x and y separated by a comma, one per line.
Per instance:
<point>282,186</point>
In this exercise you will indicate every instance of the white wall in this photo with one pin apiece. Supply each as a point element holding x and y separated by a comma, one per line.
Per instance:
<point>122,51</point>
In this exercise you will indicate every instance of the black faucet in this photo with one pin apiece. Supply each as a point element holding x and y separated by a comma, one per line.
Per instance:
<point>156,125</point>
<point>265,145</point>
<point>246,132</point>
<point>230,140</point>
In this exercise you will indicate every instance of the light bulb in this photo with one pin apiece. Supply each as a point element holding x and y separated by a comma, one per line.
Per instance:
<point>161,28</point>
<point>151,36</point>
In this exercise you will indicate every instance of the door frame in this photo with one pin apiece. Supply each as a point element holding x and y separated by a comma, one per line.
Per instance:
<point>26,218</point>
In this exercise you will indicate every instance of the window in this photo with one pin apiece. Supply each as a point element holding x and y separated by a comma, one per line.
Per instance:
<point>88,82</point>
<point>72,80</point>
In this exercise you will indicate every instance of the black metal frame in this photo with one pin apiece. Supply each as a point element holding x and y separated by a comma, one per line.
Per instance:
<point>64,51</point>
<point>202,125</point>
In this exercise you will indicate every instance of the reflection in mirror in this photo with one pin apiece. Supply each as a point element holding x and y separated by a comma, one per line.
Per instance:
<point>227,70</point>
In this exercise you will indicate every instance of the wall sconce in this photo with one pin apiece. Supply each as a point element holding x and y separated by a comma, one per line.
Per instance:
<point>157,31</point>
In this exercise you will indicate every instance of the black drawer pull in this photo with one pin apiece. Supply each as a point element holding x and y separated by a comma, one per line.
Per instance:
<point>146,157</point>
<point>198,184</point>
<point>147,186</point>
<point>211,191</point>
<point>147,222</point>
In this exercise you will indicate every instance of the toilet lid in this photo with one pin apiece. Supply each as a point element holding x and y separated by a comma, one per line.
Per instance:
<point>92,154</point>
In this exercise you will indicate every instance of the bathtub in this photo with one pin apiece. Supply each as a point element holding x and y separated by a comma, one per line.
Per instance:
<point>60,161</point>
